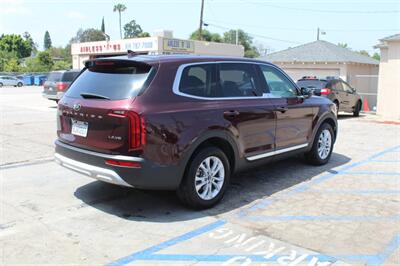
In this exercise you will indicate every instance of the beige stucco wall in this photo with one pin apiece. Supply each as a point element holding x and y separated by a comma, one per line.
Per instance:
<point>389,81</point>
<point>297,70</point>
<point>364,78</point>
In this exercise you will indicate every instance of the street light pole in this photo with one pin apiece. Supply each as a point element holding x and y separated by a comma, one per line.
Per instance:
<point>201,21</point>
<point>317,34</point>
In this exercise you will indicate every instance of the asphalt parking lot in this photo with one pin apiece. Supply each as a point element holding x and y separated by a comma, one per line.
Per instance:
<point>286,213</point>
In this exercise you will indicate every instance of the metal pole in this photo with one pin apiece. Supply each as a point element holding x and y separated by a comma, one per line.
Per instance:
<point>237,36</point>
<point>317,34</point>
<point>201,20</point>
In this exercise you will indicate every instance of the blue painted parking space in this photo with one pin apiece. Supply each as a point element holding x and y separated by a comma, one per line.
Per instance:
<point>160,251</point>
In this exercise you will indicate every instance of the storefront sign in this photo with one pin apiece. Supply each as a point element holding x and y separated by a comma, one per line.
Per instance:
<point>176,45</point>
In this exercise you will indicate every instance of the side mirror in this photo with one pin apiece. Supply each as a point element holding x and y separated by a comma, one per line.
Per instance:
<point>307,92</point>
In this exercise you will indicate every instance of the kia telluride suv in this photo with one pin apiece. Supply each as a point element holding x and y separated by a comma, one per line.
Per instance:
<point>187,123</point>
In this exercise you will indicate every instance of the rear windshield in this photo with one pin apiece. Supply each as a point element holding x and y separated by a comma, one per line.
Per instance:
<point>115,81</point>
<point>54,76</point>
<point>318,84</point>
<point>69,76</point>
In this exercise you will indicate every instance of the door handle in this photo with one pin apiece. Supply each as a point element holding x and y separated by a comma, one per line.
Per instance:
<point>281,109</point>
<point>231,113</point>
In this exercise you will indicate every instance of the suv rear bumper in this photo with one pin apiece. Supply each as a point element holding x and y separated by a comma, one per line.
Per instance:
<point>92,164</point>
<point>95,172</point>
<point>55,96</point>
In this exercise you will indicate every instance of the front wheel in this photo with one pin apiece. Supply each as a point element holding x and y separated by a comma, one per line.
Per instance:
<point>205,180</point>
<point>19,84</point>
<point>357,109</point>
<point>1,84</point>
<point>321,150</point>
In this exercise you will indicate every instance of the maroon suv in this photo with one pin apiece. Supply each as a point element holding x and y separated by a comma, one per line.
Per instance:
<point>187,123</point>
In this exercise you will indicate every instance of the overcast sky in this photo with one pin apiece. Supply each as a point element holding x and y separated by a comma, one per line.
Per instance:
<point>274,24</point>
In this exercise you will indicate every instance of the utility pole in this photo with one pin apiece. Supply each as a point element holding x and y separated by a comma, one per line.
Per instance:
<point>237,36</point>
<point>317,34</point>
<point>201,21</point>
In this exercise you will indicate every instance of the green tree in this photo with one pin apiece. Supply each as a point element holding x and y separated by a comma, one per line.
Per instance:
<point>88,35</point>
<point>144,34</point>
<point>244,39</point>
<point>12,65</point>
<point>343,45</point>
<point>47,40</point>
<point>62,65</point>
<point>45,60</point>
<point>29,39</point>
<point>119,8</point>
<point>376,56</point>
<point>6,56</point>
<point>15,44</point>
<point>206,36</point>
<point>103,27</point>
<point>363,52</point>
<point>132,30</point>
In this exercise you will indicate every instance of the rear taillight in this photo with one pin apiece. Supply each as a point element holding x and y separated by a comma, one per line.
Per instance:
<point>325,91</point>
<point>124,163</point>
<point>137,134</point>
<point>61,86</point>
<point>137,128</point>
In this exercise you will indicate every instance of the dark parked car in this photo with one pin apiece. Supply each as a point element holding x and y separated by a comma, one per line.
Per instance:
<point>57,84</point>
<point>337,90</point>
<point>187,123</point>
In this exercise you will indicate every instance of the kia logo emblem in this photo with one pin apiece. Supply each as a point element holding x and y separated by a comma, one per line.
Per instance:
<point>77,107</point>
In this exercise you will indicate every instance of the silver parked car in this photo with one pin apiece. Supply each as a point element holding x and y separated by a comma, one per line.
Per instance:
<point>10,81</point>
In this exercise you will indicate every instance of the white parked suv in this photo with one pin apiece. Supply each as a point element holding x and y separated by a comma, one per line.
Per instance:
<point>10,81</point>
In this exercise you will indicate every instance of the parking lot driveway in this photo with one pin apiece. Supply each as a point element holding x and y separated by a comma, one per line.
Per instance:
<point>285,213</point>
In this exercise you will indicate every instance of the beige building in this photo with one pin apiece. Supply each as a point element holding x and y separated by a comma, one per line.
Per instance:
<point>322,59</point>
<point>157,44</point>
<point>389,78</point>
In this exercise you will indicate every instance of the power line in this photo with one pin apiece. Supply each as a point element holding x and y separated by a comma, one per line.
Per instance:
<point>255,35</point>
<point>300,29</point>
<point>325,10</point>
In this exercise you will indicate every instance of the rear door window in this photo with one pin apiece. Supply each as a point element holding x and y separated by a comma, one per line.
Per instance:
<point>239,80</point>
<point>199,80</point>
<point>318,84</point>
<point>112,80</point>
<point>69,76</point>
<point>55,76</point>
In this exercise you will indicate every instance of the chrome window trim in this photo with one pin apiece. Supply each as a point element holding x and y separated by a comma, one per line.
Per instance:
<point>98,154</point>
<point>272,153</point>
<point>178,77</point>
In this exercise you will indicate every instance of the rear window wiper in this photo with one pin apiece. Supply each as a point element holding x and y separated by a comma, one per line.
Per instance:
<point>88,95</point>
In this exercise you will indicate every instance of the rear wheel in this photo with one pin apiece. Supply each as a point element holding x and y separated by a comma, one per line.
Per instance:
<point>205,180</point>
<point>321,150</point>
<point>357,109</point>
<point>19,84</point>
<point>1,84</point>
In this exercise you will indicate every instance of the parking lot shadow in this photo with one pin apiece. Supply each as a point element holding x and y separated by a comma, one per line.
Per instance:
<point>164,206</point>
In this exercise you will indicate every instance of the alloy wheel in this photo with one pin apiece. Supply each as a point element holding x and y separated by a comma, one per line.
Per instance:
<point>324,144</point>
<point>210,177</point>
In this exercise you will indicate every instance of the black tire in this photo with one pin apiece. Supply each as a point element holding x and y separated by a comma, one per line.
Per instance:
<point>357,109</point>
<point>187,190</point>
<point>1,84</point>
<point>313,157</point>
<point>19,84</point>
<point>337,107</point>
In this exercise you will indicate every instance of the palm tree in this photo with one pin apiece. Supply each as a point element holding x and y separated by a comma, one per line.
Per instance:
<point>120,8</point>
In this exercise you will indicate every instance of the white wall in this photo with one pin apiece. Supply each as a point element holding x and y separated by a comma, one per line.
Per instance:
<point>389,82</point>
